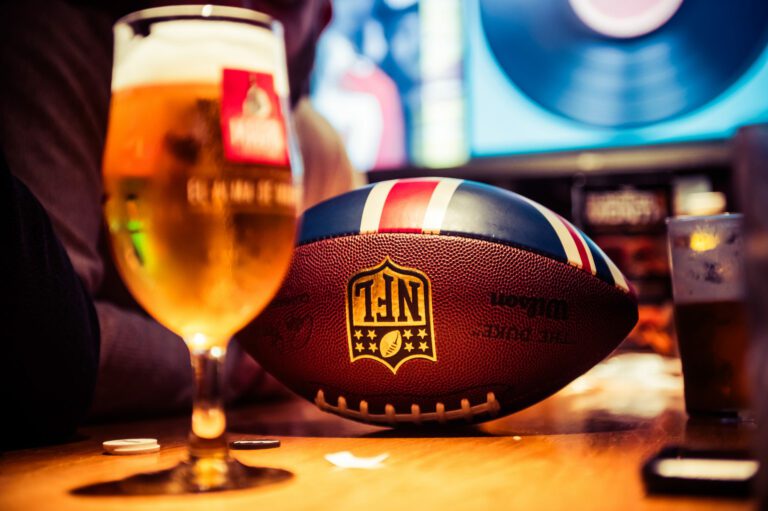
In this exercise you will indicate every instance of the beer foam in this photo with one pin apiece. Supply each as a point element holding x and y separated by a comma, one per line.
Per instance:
<point>707,264</point>
<point>208,47</point>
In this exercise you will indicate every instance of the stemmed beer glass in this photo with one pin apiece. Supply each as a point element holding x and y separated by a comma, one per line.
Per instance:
<point>201,205</point>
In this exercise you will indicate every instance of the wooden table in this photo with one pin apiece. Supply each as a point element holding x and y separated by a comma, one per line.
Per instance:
<point>580,449</point>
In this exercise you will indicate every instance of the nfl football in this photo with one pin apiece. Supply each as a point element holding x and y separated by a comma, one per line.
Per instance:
<point>439,300</point>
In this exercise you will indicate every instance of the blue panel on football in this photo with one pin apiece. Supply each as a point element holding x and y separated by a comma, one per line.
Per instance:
<point>600,265</point>
<point>476,210</point>
<point>483,211</point>
<point>339,216</point>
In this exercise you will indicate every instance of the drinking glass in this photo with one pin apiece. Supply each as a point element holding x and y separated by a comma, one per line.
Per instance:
<point>199,169</point>
<point>706,255</point>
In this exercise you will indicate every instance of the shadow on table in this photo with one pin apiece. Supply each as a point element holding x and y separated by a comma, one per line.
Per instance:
<point>348,429</point>
<point>169,482</point>
<point>300,418</point>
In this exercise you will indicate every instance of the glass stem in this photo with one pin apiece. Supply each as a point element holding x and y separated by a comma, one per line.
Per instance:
<point>207,438</point>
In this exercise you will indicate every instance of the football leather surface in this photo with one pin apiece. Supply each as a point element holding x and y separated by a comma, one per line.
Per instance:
<point>439,300</point>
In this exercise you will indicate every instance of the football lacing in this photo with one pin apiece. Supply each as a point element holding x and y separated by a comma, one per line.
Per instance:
<point>441,415</point>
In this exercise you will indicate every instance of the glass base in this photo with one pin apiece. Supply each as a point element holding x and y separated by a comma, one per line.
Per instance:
<point>199,476</point>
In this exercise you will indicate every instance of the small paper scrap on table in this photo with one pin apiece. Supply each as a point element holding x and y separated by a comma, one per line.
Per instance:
<point>346,459</point>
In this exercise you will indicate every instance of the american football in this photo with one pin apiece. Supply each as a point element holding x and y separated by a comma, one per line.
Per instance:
<point>439,300</point>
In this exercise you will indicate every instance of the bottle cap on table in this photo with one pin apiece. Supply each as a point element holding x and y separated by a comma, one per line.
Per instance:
<point>131,446</point>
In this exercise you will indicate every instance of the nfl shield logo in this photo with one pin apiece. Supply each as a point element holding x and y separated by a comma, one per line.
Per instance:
<point>389,315</point>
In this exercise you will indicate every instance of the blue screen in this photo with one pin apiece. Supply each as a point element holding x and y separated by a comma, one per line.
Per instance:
<point>504,120</point>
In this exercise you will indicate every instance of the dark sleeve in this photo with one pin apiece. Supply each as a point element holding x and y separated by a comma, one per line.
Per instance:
<point>54,100</point>
<point>50,335</point>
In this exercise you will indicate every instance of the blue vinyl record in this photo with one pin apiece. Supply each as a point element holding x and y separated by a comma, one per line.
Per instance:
<point>561,63</point>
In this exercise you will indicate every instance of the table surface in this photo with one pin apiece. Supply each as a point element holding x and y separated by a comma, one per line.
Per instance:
<point>580,449</point>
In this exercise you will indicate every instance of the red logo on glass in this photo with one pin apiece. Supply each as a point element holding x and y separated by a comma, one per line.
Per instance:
<point>252,121</point>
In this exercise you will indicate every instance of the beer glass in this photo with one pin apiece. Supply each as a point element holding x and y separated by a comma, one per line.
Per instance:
<point>710,313</point>
<point>201,206</point>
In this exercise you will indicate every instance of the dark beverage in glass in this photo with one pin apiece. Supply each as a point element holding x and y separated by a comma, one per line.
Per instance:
<point>712,338</point>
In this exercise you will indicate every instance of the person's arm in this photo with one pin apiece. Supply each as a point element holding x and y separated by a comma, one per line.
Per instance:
<point>49,334</point>
<point>144,369</point>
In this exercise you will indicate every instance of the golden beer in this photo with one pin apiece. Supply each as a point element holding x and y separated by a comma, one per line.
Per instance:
<point>198,175</point>
<point>202,242</point>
